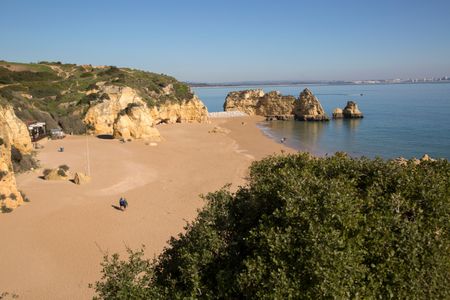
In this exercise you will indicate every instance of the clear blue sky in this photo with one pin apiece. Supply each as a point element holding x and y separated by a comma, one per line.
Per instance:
<point>212,41</point>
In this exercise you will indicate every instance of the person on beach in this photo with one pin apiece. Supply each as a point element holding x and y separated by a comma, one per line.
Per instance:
<point>123,203</point>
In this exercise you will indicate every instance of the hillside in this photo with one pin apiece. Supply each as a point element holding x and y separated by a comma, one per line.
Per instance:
<point>61,94</point>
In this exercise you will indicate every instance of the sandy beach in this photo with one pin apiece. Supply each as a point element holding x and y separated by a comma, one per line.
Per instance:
<point>53,246</point>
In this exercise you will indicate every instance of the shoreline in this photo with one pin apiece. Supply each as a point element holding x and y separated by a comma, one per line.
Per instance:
<point>56,242</point>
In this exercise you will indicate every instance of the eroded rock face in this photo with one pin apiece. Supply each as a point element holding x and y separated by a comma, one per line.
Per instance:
<point>136,122</point>
<point>275,104</point>
<point>245,101</point>
<point>256,102</point>
<point>13,133</point>
<point>100,117</point>
<point>187,111</point>
<point>308,108</point>
<point>351,111</point>
<point>16,130</point>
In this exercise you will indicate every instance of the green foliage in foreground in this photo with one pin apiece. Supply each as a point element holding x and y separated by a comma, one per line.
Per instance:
<point>306,228</point>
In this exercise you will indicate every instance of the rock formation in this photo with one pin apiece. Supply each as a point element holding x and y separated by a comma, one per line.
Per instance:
<point>244,101</point>
<point>275,104</point>
<point>351,111</point>
<point>101,116</point>
<point>111,115</point>
<point>256,102</point>
<point>16,130</point>
<point>337,113</point>
<point>308,108</point>
<point>187,111</point>
<point>13,133</point>
<point>81,178</point>
<point>136,122</point>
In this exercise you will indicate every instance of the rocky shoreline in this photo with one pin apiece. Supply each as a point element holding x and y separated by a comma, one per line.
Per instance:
<point>275,106</point>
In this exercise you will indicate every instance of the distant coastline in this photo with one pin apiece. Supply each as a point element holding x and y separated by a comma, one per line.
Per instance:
<point>444,79</point>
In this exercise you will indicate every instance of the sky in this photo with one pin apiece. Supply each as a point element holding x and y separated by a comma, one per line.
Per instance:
<point>226,41</point>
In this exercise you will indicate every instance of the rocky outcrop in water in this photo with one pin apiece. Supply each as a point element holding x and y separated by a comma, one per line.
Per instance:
<point>351,111</point>
<point>337,113</point>
<point>13,135</point>
<point>136,122</point>
<point>256,102</point>
<point>308,108</point>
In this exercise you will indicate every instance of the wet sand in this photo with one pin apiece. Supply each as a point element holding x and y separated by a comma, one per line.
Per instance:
<point>52,247</point>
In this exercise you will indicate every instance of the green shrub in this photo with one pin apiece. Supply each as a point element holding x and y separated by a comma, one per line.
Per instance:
<point>182,91</point>
<point>64,167</point>
<point>307,228</point>
<point>47,171</point>
<point>61,172</point>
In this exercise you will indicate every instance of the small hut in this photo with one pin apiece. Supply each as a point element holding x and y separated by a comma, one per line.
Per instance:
<point>38,130</point>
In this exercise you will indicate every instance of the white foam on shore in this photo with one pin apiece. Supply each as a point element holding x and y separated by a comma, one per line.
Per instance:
<point>227,114</point>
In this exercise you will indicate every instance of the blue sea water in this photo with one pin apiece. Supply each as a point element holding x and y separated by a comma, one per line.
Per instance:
<point>399,119</point>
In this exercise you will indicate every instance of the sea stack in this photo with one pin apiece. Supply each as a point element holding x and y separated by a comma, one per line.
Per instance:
<point>308,108</point>
<point>338,113</point>
<point>351,111</point>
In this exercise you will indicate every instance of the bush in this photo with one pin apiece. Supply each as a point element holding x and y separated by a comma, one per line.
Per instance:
<point>305,228</point>
<point>13,196</point>
<point>64,167</point>
<point>47,171</point>
<point>61,172</point>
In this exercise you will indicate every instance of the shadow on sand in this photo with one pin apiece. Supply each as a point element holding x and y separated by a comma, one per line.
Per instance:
<point>116,207</point>
<point>105,136</point>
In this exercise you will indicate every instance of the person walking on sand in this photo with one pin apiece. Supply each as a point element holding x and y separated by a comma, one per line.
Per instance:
<point>123,203</point>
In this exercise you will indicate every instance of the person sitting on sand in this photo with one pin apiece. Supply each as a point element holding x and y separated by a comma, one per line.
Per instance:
<point>123,203</point>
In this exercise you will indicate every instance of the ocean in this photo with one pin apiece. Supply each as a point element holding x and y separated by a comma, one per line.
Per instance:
<point>405,120</point>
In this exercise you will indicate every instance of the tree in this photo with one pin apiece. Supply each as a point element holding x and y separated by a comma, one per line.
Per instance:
<point>306,228</point>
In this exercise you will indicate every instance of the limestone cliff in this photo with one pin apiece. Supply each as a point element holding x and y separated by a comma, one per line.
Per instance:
<point>187,111</point>
<point>13,133</point>
<point>244,101</point>
<point>275,104</point>
<point>101,116</point>
<point>308,108</point>
<point>107,112</point>
<point>16,130</point>
<point>136,122</point>
<point>256,102</point>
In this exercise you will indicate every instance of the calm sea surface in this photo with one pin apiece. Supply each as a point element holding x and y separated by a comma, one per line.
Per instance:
<point>399,120</point>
